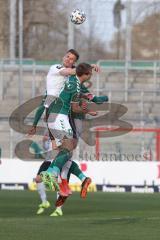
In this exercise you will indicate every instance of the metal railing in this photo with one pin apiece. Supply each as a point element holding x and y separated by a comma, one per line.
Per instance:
<point>29,65</point>
<point>126,67</point>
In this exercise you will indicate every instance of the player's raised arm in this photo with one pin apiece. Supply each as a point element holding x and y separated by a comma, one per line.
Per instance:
<point>67,71</point>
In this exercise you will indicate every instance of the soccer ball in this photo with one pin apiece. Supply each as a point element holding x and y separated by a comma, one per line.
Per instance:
<point>78,16</point>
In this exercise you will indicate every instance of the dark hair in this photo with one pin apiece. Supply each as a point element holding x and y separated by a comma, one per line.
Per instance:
<point>74,52</point>
<point>83,68</point>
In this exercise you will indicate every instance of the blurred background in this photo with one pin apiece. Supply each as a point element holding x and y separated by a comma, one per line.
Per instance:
<point>109,27</point>
<point>122,37</point>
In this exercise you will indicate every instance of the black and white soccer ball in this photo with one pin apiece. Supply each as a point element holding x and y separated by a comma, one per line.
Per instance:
<point>77,16</point>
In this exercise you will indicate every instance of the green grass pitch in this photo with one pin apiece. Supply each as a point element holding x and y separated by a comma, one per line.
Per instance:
<point>101,216</point>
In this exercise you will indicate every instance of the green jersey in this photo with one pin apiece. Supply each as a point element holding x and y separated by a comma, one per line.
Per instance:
<point>71,85</point>
<point>80,115</point>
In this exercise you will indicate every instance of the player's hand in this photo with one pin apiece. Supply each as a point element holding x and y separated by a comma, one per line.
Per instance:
<point>96,68</point>
<point>90,96</point>
<point>92,113</point>
<point>84,106</point>
<point>32,131</point>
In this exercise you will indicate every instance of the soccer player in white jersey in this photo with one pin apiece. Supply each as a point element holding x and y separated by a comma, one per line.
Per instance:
<point>58,74</point>
<point>56,78</point>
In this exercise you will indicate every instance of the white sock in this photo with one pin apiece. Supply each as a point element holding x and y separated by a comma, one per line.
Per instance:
<point>42,192</point>
<point>65,169</point>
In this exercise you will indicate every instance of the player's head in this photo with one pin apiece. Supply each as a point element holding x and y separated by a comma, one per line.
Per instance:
<point>84,71</point>
<point>74,52</point>
<point>70,58</point>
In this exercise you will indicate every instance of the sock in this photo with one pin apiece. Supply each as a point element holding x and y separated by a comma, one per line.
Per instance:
<point>74,169</point>
<point>65,169</point>
<point>54,170</point>
<point>81,176</point>
<point>41,191</point>
<point>62,157</point>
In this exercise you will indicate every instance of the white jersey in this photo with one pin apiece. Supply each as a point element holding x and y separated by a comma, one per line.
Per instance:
<point>55,81</point>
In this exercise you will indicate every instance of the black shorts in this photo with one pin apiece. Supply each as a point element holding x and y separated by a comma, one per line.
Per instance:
<point>50,134</point>
<point>44,166</point>
<point>73,126</point>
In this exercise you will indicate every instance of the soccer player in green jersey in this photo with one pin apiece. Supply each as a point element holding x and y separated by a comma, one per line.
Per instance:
<point>59,127</point>
<point>74,167</point>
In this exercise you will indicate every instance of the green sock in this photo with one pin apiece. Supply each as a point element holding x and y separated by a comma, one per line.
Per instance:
<point>54,170</point>
<point>75,170</point>
<point>62,157</point>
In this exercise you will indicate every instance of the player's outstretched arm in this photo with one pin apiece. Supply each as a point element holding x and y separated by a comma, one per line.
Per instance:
<point>77,108</point>
<point>96,99</point>
<point>100,99</point>
<point>32,131</point>
<point>86,94</point>
<point>67,71</point>
<point>37,117</point>
<point>82,108</point>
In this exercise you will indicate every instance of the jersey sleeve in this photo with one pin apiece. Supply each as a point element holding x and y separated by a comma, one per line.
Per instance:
<point>55,69</point>
<point>84,89</point>
<point>100,99</point>
<point>96,99</point>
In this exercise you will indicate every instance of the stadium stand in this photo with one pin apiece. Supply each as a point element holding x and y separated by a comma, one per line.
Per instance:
<point>138,89</point>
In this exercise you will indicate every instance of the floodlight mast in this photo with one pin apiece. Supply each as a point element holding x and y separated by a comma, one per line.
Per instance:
<point>12,29</point>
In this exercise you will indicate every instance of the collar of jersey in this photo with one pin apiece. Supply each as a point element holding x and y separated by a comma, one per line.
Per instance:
<point>78,79</point>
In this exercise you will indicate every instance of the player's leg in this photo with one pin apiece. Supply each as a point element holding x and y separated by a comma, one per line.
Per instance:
<point>64,174</point>
<point>41,188</point>
<point>62,133</point>
<point>86,181</point>
<point>62,199</point>
<point>50,176</point>
<point>77,125</point>
<point>58,211</point>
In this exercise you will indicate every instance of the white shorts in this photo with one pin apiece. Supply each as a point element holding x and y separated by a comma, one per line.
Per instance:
<point>59,127</point>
